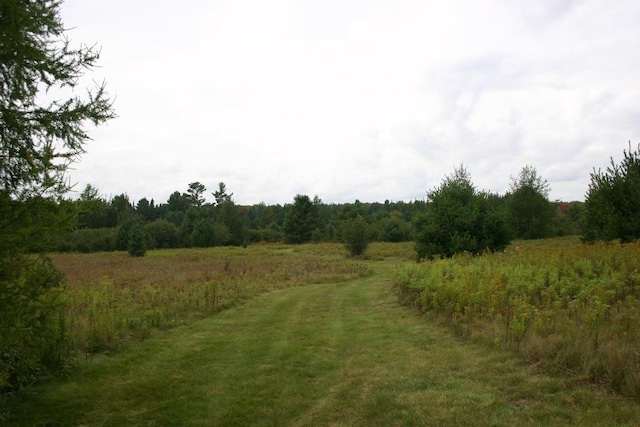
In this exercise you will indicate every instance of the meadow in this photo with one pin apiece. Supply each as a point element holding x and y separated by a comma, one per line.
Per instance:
<point>113,299</point>
<point>570,307</point>
<point>229,336</point>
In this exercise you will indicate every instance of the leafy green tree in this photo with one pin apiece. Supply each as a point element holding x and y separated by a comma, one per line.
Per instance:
<point>354,235</point>
<point>207,233</point>
<point>530,214</point>
<point>396,229</point>
<point>301,220</point>
<point>40,136</point>
<point>162,234</point>
<point>612,206</point>
<point>458,218</point>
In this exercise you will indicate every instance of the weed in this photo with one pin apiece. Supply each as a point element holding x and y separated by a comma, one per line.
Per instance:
<point>561,303</point>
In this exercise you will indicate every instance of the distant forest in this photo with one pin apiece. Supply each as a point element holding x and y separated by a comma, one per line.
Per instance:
<point>187,220</point>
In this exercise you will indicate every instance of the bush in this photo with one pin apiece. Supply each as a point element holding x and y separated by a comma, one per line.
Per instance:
<point>137,245</point>
<point>162,234</point>
<point>31,320</point>
<point>92,240</point>
<point>354,235</point>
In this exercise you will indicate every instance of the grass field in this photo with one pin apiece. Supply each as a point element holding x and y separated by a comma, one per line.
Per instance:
<point>342,352</point>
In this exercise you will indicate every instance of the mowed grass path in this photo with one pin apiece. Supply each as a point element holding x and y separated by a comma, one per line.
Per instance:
<point>343,354</point>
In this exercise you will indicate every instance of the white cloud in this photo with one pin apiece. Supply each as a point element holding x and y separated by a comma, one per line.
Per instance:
<point>359,100</point>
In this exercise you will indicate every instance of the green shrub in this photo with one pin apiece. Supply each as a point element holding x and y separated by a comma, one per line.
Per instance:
<point>31,320</point>
<point>137,241</point>
<point>162,234</point>
<point>354,235</point>
<point>92,240</point>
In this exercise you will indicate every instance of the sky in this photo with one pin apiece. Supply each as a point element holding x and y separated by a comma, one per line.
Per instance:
<point>371,100</point>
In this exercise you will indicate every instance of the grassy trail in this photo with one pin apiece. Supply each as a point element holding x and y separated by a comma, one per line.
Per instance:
<point>334,354</point>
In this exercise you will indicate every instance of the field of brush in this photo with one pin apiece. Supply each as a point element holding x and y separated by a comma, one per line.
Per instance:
<point>544,333</point>
<point>571,307</point>
<point>113,299</point>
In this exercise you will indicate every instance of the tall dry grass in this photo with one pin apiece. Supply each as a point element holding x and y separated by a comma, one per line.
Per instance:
<point>112,298</point>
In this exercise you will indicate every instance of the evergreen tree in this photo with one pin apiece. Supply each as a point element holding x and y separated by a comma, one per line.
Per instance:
<point>612,206</point>
<point>530,214</point>
<point>301,220</point>
<point>38,141</point>
<point>458,218</point>
<point>93,210</point>
<point>221,195</point>
<point>195,194</point>
<point>137,243</point>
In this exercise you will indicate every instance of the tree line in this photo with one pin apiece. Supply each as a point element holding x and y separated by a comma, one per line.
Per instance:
<point>186,219</point>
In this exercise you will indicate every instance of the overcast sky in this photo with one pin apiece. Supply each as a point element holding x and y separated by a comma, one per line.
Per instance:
<point>357,99</point>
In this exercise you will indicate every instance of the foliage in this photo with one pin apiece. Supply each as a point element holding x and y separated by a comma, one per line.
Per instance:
<point>301,220</point>
<point>570,219</point>
<point>145,209</point>
<point>229,218</point>
<point>178,202</point>
<point>90,240</point>
<point>31,320</point>
<point>93,210</point>
<point>39,140</point>
<point>530,214</point>
<point>195,194</point>
<point>221,195</point>
<point>162,234</point>
<point>612,206</point>
<point>395,228</point>
<point>354,235</point>
<point>459,219</point>
<point>569,306</point>
<point>137,244</point>
<point>40,136</point>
